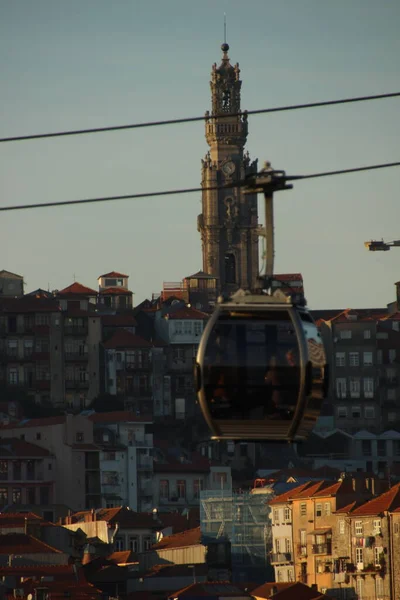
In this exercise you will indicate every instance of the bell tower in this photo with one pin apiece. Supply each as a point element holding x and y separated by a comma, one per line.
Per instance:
<point>229,220</point>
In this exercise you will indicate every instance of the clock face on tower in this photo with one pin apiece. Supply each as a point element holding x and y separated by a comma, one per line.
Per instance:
<point>229,168</point>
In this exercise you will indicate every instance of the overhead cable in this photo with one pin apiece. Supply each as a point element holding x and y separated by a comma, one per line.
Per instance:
<point>242,183</point>
<point>205,117</point>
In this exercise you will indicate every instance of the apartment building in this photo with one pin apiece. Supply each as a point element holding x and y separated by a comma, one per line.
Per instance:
<point>69,439</point>
<point>363,346</point>
<point>11,284</point>
<point>114,292</point>
<point>126,462</point>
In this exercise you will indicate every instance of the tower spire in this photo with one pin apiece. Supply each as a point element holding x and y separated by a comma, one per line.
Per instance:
<point>224,28</point>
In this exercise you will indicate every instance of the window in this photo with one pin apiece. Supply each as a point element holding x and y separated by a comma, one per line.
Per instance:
<point>369,412</point>
<point>288,545</point>
<point>197,487</point>
<point>287,513</point>
<point>342,412</point>
<point>345,334</point>
<point>340,359</point>
<point>359,555</point>
<point>359,531</point>
<point>367,359</point>
<point>198,327</point>
<point>379,357</point>
<point>392,355</point>
<point>109,456</point>
<point>367,334</point>
<point>377,527</point>
<point>354,359</point>
<point>341,527</point>
<point>133,543</point>
<point>16,496</point>
<point>230,268</point>
<point>327,509</point>
<point>164,488</point>
<point>318,510</point>
<point>360,584</point>
<point>3,470</point>
<point>147,543</point>
<point>391,417</point>
<point>391,375</point>
<point>178,327</point>
<point>341,387</point>
<point>379,588</point>
<point>119,544</point>
<point>12,348</point>
<point>391,394</point>
<point>181,488</point>
<point>354,387</point>
<point>356,412</point>
<point>277,546</point>
<point>276,516</point>
<point>13,376</point>
<point>368,387</point>
<point>303,509</point>
<point>366,450</point>
<point>3,495</point>
<point>79,436</point>
<point>187,327</point>
<point>377,554</point>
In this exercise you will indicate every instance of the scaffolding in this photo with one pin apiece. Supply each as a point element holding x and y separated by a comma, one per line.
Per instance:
<point>243,520</point>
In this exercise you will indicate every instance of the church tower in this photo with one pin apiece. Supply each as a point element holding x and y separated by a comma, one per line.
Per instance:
<point>229,221</point>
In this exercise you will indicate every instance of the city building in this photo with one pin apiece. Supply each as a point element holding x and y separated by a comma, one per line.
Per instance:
<point>126,462</point>
<point>11,285</point>
<point>228,224</point>
<point>69,439</point>
<point>114,292</point>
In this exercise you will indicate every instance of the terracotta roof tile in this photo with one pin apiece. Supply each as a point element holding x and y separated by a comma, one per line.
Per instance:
<point>218,589</point>
<point>172,570</point>
<point>21,543</point>
<point>118,416</point>
<point>123,516</point>
<point>388,501</point>
<point>123,557</point>
<point>287,496</point>
<point>347,509</point>
<point>188,313</point>
<point>28,304</point>
<point>125,339</point>
<point>190,537</point>
<point>77,289</point>
<point>44,422</point>
<point>288,591</point>
<point>115,291</point>
<point>17,519</point>
<point>19,448</point>
<point>113,274</point>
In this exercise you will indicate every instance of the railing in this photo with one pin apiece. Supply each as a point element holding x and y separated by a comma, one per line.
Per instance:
<point>111,488</point>
<point>322,548</point>
<point>281,557</point>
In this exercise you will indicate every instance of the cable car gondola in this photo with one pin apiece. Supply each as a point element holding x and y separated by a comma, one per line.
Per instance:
<point>260,369</point>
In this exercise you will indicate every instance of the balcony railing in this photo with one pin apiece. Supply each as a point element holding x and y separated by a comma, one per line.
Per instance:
<point>281,557</point>
<point>111,489</point>
<point>322,548</point>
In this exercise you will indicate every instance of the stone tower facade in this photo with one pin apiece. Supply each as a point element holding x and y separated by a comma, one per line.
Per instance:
<point>229,221</point>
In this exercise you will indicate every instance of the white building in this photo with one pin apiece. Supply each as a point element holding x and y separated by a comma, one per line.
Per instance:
<point>126,461</point>
<point>282,558</point>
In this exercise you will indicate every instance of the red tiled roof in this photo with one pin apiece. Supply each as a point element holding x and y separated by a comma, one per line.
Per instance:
<point>288,591</point>
<point>113,274</point>
<point>10,447</point>
<point>389,501</point>
<point>218,589</point>
<point>125,339</point>
<point>127,519</point>
<point>289,277</point>
<point>118,416</point>
<point>21,543</point>
<point>28,304</point>
<point>178,522</point>
<point>188,313</point>
<point>123,557</point>
<point>118,320</point>
<point>115,291</point>
<point>346,509</point>
<point>17,519</point>
<point>77,289</point>
<point>286,496</point>
<point>172,570</point>
<point>190,537</point>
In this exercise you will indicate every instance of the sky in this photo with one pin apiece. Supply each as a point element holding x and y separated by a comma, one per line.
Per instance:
<point>95,63</point>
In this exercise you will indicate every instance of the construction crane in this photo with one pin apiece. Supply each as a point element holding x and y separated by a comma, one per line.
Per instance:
<point>381,246</point>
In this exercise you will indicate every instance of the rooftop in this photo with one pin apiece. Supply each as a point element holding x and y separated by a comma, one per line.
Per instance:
<point>124,339</point>
<point>388,501</point>
<point>190,537</point>
<point>113,274</point>
<point>77,289</point>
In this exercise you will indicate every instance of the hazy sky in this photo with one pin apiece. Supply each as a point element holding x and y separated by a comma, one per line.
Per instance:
<point>91,63</point>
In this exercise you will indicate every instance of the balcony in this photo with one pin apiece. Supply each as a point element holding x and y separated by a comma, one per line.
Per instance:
<point>341,577</point>
<point>111,489</point>
<point>302,550</point>
<point>76,384</point>
<point>71,330</point>
<point>76,356</point>
<point>145,463</point>
<point>322,548</point>
<point>281,557</point>
<point>173,500</point>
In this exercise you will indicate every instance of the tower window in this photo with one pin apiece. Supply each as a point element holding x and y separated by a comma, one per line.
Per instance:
<point>226,100</point>
<point>230,268</point>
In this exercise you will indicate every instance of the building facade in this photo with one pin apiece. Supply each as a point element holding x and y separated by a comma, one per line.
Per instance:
<point>229,219</point>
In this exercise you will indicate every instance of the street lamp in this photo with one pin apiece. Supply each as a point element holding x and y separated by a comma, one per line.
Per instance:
<point>380,246</point>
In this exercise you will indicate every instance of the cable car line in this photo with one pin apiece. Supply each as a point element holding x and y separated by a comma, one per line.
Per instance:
<point>242,183</point>
<point>205,117</point>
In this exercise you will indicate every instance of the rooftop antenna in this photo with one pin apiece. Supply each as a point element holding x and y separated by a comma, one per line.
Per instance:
<point>224,28</point>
